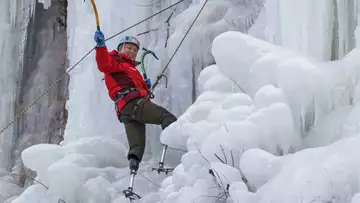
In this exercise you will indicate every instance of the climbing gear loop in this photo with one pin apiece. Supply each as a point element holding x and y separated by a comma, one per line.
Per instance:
<point>166,79</point>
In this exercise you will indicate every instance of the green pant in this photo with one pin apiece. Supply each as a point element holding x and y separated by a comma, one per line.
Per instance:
<point>134,121</point>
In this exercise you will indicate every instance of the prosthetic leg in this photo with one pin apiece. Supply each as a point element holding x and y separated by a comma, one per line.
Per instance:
<point>161,167</point>
<point>129,192</point>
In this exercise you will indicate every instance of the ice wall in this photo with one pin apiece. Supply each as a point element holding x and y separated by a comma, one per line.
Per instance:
<point>32,57</point>
<point>324,29</point>
<point>44,62</point>
<point>14,17</point>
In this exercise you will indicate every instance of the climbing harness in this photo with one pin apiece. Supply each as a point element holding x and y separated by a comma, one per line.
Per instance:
<point>126,118</point>
<point>120,95</point>
<point>77,63</point>
<point>123,92</point>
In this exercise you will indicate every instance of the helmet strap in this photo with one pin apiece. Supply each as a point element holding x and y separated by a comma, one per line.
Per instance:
<point>122,48</point>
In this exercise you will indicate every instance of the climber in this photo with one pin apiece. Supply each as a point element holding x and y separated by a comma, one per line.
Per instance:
<point>130,92</point>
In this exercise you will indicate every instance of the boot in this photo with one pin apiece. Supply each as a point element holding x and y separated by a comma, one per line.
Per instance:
<point>134,164</point>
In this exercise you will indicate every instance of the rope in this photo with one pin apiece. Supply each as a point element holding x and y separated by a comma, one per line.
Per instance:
<point>57,81</point>
<point>182,150</point>
<point>149,180</point>
<point>146,19</point>
<point>187,32</point>
<point>34,179</point>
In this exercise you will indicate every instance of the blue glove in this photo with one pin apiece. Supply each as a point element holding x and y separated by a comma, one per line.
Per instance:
<point>148,82</point>
<point>99,39</point>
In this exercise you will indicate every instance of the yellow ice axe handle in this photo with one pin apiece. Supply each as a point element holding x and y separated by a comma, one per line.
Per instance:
<point>96,14</point>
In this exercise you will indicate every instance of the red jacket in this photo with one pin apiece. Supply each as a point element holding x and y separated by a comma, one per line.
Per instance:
<point>120,72</point>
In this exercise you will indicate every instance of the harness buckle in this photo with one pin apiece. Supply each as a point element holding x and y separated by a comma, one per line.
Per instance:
<point>123,92</point>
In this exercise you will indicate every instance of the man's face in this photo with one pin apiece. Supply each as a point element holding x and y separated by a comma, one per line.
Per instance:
<point>130,50</point>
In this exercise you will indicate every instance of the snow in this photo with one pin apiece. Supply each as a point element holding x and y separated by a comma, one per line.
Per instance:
<point>259,166</point>
<point>85,164</point>
<point>317,174</point>
<point>28,194</point>
<point>265,146</point>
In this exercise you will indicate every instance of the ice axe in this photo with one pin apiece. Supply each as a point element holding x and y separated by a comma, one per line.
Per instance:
<point>142,67</point>
<point>146,52</point>
<point>96,14</point>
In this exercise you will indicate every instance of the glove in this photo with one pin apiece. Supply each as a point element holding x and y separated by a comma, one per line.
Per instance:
<point>99,39</point>
<point>148,82</point>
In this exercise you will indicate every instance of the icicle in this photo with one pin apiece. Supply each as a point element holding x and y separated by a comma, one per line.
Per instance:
<point>47,3</point>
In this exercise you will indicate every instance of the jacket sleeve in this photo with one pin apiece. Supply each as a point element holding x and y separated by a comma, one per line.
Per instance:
<point>105,62</point>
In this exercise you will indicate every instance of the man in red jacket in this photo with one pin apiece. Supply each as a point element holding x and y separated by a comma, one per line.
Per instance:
<point>130,92</point>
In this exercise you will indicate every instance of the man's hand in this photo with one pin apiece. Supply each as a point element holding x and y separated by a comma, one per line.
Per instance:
<point>148,82</point>
<point>99,39</point>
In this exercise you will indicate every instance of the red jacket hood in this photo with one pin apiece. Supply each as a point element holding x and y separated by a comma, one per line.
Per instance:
<point>123,57</point>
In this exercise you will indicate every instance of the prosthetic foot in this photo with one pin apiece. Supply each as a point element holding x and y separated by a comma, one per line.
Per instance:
<point>161,167</point>
<point>129,192</point>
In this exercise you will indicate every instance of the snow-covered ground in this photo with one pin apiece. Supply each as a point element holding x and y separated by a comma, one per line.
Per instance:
<point>269,125</point>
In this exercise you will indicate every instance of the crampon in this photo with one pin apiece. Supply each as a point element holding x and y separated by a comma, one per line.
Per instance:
<point>161,167</point>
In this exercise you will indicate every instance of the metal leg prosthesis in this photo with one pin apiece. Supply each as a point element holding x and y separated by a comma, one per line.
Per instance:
<point>129,192</point>
<point>161,167</point>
